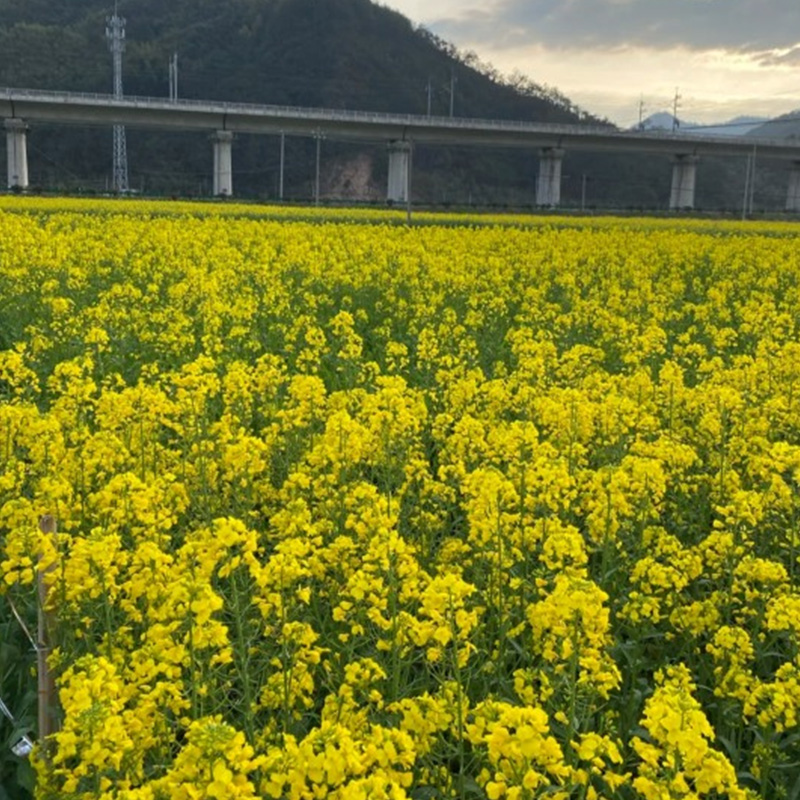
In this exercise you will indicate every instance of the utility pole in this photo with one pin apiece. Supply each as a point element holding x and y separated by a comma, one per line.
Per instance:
<point>316,179</point>
<point>282,165</point>
<point>749,184</point>
<point>453,81</point>
<point>675,106</point>
<point>641,112</point>
<point>115,34</point>
<point>173,77</point>
<point>408,183</point>
<point>746,198</point>
<point>430,95</point>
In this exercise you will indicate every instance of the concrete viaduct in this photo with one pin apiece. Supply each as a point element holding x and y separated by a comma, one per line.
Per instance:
<point>223,120</point>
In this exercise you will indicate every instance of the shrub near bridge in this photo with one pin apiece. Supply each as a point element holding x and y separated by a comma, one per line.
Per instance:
<point>351,509</point>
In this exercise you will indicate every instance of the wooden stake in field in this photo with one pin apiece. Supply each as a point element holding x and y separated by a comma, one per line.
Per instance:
<point>46,689</point>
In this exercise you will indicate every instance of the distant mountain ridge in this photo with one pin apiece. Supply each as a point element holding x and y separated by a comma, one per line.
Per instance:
<point>786,126</point>
<point>738,126</point>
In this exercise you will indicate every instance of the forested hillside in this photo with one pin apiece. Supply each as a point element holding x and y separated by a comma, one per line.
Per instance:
<point>334,53</point>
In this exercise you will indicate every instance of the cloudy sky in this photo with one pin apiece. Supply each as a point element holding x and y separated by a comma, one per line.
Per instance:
<point>724,57</point>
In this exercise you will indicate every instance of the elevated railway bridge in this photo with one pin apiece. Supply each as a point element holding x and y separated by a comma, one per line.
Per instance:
<point>21,108</point>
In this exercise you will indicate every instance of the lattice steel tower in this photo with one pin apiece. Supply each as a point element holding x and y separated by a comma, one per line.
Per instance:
<point>115,34</point>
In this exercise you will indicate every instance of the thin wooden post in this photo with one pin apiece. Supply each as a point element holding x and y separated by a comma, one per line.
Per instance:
<point>46,683</point>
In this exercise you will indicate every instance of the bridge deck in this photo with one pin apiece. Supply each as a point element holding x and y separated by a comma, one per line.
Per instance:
<point>209,115</point>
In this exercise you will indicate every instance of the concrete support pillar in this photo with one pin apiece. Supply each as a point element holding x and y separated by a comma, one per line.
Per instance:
<point>793,195</point>
<point>223,164</point>
<point>16,147</point>
<point>399,165</point>
<point>684,177</point>
<point>548,183</point>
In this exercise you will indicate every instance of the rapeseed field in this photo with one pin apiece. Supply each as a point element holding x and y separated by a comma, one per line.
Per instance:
<point>324,505</point>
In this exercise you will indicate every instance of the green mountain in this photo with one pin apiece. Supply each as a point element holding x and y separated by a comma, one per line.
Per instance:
<point>333,53</point>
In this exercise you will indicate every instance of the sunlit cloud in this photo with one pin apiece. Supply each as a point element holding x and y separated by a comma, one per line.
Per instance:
<point>724,57</point>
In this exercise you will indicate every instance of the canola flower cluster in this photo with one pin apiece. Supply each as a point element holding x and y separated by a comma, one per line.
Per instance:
<point>351,509</point>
